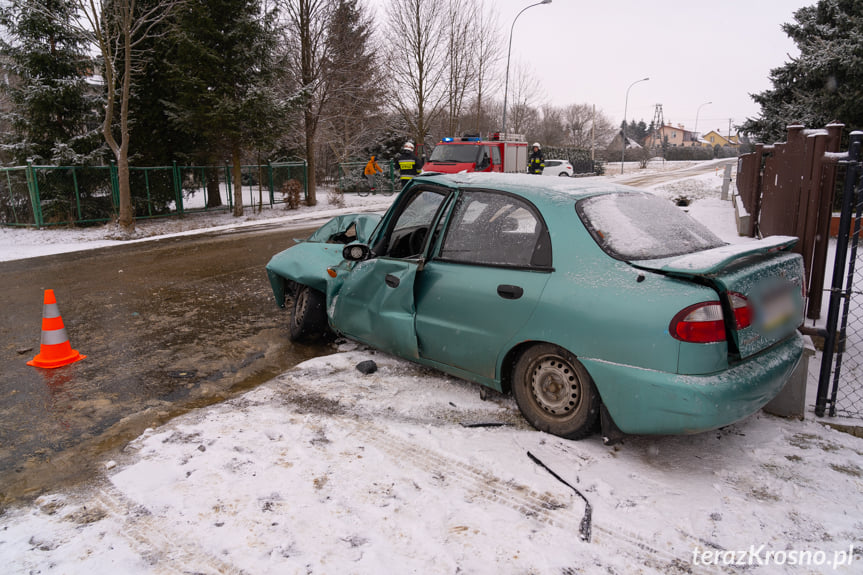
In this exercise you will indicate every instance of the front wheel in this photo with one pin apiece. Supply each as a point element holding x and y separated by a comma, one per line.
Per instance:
<point>309,316</point>
<point>554,392</point>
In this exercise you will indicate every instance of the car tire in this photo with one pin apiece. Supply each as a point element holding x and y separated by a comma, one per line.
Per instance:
<point>554,392</point>
<point>309,317</point>
<point>563,175</point>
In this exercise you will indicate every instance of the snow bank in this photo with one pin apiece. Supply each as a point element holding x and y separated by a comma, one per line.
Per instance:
<point>326,470</point>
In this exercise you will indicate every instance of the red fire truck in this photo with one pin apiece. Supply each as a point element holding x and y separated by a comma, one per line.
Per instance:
<point>470,153</point>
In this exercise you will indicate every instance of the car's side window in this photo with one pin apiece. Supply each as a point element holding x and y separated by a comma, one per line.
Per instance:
<point>408,234</point>
<point>496,229</point>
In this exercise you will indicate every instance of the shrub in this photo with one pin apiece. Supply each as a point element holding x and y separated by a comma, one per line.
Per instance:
<point>689,153</point>
<point>292,190</point>
<point>336,198</point>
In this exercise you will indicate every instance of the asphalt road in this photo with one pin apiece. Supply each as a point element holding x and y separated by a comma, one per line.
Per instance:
<point>166,325</point>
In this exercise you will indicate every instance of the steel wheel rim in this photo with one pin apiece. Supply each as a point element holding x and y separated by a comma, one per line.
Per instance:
<point>555,386</point>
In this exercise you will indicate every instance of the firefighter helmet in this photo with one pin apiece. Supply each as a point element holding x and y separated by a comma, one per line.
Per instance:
<point>536,145</point>
<point>409,146</point>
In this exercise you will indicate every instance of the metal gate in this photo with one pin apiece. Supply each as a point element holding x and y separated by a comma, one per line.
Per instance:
<point>840,384</point>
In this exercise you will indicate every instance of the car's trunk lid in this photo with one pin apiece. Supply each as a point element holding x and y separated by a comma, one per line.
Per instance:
<point>764,272</point>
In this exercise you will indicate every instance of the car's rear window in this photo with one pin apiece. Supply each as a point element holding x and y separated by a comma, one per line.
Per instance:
<point>634,226</point>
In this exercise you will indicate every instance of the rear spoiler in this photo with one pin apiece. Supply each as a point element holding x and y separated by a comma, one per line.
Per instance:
<point>714,260</point>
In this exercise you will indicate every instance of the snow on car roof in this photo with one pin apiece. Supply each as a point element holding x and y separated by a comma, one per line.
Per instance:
<point>529,185</point>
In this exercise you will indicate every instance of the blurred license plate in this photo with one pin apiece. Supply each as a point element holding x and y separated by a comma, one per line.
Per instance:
<point>778,308</point>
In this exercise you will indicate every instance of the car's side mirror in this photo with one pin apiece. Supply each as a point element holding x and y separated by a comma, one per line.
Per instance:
<point>356,252</point>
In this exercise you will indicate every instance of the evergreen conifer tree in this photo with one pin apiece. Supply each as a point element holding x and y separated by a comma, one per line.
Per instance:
<point>352,110</point>
<point>824,83</point>
<point>222,71</point>
<point>53,116</point>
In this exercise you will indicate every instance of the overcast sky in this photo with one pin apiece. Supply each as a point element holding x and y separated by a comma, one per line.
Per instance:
<point>694,51</point>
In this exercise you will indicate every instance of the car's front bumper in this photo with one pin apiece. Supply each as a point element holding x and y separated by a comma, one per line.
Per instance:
<point>653,402</point>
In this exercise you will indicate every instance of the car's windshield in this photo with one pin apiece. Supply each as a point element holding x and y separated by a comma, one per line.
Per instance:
<point>461,153</point>
<point>419,211</point>
<point>633,226</point>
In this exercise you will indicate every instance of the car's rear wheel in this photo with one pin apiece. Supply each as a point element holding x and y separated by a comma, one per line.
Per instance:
<point>554,392</point>
<point>309,316</point>
<point>563,175</point>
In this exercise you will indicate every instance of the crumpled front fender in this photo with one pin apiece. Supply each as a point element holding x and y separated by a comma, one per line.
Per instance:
<point>305,264</point>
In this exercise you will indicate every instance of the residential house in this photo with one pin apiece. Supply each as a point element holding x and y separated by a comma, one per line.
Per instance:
<point>714,138</point>
<point>631,144</point>
<point>672,137</point>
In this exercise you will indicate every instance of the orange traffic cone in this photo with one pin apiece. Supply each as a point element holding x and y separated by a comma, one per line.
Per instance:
<point>55,350</point>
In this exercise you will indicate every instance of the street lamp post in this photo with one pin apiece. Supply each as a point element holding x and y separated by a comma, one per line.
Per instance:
<point>625,106</point>
<point>506,84</point>
<point>698,111</point>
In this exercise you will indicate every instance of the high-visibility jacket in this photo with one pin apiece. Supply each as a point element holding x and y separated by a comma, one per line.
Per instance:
<point>536,163</point>
<point>408,164</point>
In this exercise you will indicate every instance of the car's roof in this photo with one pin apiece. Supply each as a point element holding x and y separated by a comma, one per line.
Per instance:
<point>538,190</point>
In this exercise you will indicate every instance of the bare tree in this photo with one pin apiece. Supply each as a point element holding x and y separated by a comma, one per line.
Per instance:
<point>578,120</point>
<point>488,49</point>
<point>117,28</point>
<point>525,89</point>
<point>586,126</point>
<point>462,64</point>
<point>418,62</point>
<point>307,57</point>
<point>552,130</point>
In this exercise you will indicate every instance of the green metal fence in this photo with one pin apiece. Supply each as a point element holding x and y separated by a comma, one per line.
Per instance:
<point>353,181</point>
<point>62,195</point>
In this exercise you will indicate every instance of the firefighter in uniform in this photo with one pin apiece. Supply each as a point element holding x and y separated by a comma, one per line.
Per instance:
<point>536,163</point>
<point>409,164</point>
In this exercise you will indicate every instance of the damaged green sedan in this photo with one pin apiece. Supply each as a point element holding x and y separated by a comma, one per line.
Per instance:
<point>586,300</point>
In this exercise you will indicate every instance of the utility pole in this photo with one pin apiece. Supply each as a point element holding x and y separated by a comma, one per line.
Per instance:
<point>593,136</point>
<point>656,134</point>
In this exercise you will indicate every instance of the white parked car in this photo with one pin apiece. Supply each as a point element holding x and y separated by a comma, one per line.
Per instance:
<point>557,168</point>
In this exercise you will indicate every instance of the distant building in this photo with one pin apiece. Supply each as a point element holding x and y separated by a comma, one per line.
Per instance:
<point>672,137</point>
<point>714,138</point>
<point>630,143</point>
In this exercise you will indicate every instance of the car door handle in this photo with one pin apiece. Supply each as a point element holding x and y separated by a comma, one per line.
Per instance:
<point>509,292</point>
<point>392,281</point>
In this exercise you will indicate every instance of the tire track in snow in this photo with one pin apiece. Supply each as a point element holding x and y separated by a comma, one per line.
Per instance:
<point>554,511</point>
<point>165,550</point>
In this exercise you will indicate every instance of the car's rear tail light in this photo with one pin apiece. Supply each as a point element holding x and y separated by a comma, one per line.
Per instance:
<point>699,323</point>
<point>742,310</point>
<point>704,323</point>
